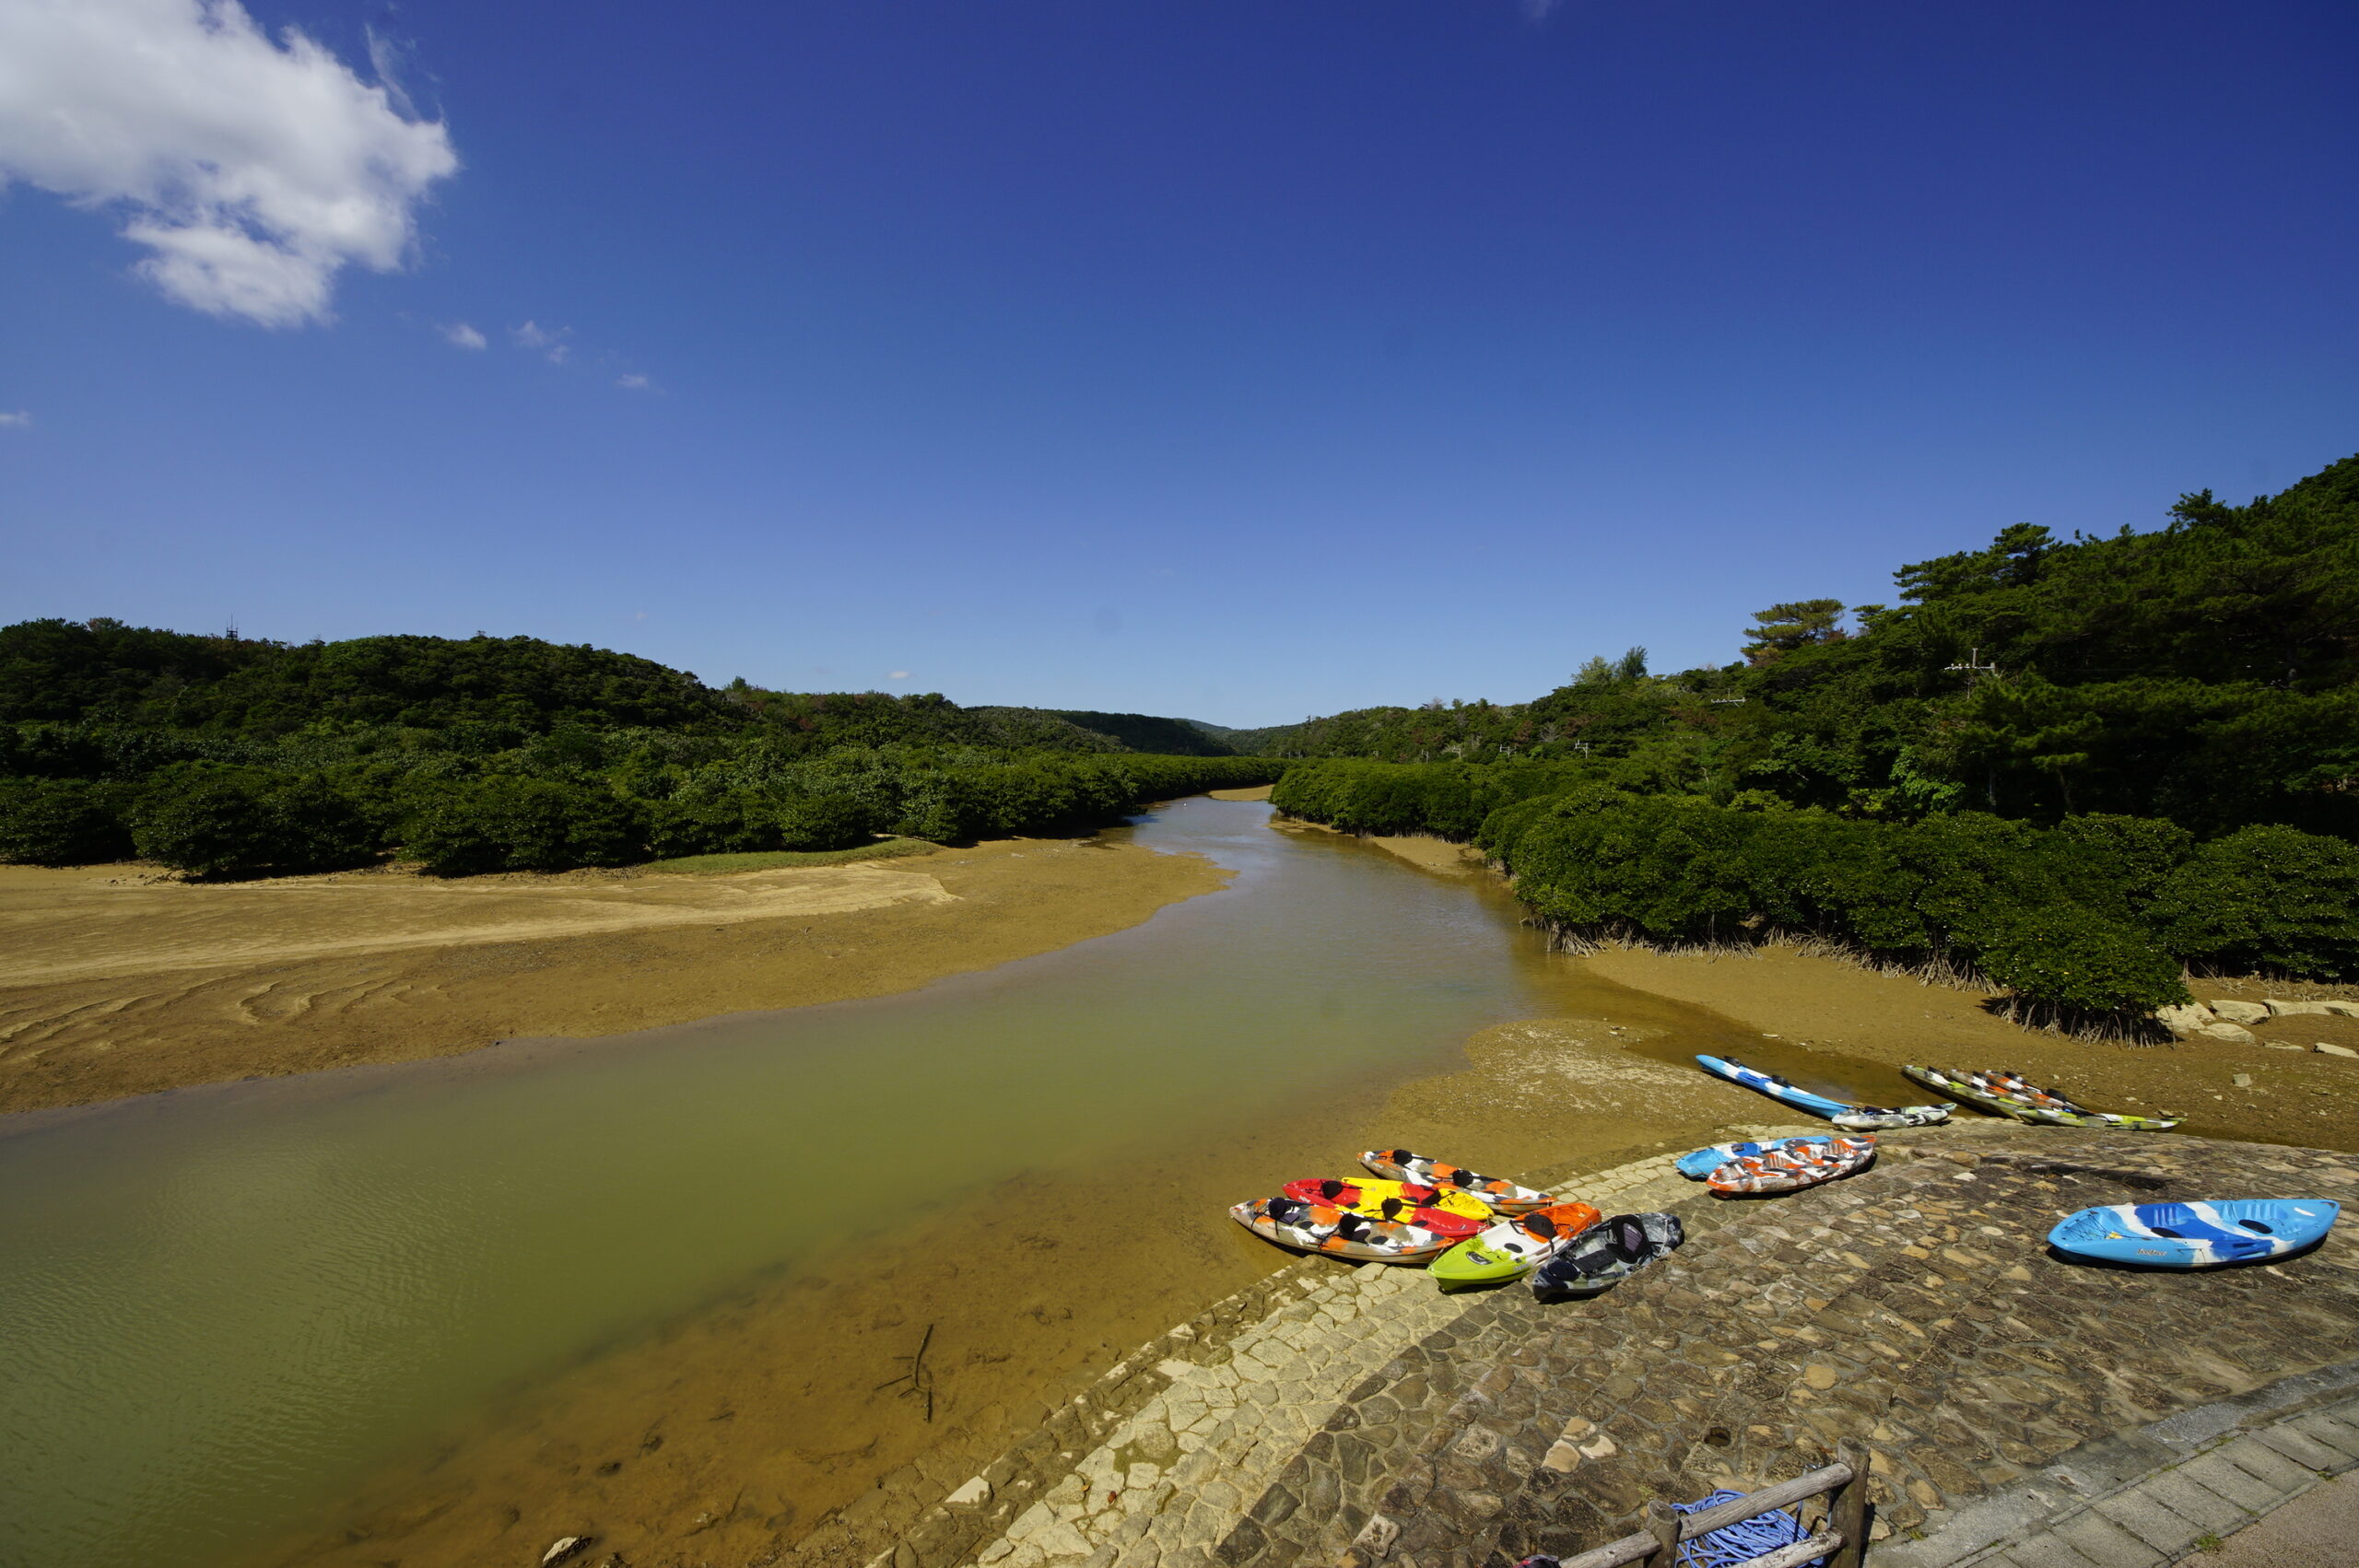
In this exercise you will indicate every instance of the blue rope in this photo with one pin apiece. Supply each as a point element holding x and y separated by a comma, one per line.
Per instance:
<point>1740,1543</point>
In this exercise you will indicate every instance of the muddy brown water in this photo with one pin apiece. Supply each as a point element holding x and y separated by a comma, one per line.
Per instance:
<point>650,1285</point>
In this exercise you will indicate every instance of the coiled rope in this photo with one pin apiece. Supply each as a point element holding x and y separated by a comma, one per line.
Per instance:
<point>1740,1543</point>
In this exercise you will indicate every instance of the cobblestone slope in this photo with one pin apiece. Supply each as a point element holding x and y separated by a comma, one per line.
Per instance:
<point>1370,1417</point>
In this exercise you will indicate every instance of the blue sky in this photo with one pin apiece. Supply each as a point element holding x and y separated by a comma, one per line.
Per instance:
<point>1241,360</point>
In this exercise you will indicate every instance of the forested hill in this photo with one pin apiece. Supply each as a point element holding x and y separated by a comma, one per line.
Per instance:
<point>2207,670</point>
<point>229,755</point>
<point>106,674</point>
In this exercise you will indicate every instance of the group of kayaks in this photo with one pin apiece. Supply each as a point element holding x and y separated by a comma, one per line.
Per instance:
<point>2008,1093</point>
<point>2154,1235</point>
<point>1467,1228</point>
<point>1471,1229</point>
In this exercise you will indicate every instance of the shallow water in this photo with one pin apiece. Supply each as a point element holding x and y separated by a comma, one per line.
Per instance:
<point>222,1310</point>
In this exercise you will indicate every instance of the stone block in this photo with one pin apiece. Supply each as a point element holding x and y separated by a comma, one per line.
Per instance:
<point>2106,1543</point>
<point>2240,1487</point>
<point>2267,1466</point>
<point>2333,1432</point>
<point>2303,1450</point>
<point>2147,1519</point>
<point>2341,1009</point>
<point>2241,1012</point>
<point>2236,1034</point>
<point>2325,1048</point>
<point>2279,1009</point>
<point>2184,1021</point>
<point>2189,1499</point>
<point>975,1494</point>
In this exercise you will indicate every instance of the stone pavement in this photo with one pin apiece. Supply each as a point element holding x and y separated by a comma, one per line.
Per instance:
<point>1372,1419</point>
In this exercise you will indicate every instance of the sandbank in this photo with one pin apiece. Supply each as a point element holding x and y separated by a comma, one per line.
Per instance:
<point>119,982</point>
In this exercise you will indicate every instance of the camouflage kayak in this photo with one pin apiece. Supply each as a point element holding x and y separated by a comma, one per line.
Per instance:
<point>2009,1095</point>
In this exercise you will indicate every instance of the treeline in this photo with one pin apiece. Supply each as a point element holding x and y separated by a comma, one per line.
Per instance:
<point>2095,915</point>
<point>225,757</point>
<point>2207,672</point>
<point>2074,767</point>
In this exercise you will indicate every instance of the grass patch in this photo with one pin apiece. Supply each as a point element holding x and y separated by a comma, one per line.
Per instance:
<point>771,859</point>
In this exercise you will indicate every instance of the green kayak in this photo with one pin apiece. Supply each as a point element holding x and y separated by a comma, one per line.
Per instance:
<point>1513,1247</point>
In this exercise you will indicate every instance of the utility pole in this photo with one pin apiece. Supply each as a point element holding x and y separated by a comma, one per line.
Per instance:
<point>1972,668</point>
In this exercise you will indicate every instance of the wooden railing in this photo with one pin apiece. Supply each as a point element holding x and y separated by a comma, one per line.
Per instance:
<point>1842,1540</point>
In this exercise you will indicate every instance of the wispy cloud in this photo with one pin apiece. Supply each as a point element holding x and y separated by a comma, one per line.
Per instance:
<point>898,675</point>
<point>15,421</point>
<point>1540,10</point>
<point>635,382</point>
<point>461,334</point>
<point>549,343</point>
<point>254,169</point>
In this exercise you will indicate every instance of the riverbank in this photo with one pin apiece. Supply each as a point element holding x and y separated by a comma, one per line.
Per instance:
<point>118,982</point>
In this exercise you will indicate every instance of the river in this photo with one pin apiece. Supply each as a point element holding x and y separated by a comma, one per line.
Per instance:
<point>235,1320</point>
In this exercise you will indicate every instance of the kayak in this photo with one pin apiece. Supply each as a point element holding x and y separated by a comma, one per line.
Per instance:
<point>1864,1118</point>
<point>1792,1168</point>
<point>2196,1235</point>
<point>1703,1162</point>
<point>2009,1095</point>
<point>1453,1214</point>
<point>1338,1233</point>
<point>1514,1246</point>
<point>1399,1165</point>
<point>1607,1253</point>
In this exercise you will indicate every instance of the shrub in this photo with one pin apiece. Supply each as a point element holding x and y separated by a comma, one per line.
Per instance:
<point>2270,898</point>
<point>733,823</point>
<point>508,824</point>
<point>824,822</point>
<point>61,822</point>
<point>2075,961</point>
<point>218,822</point>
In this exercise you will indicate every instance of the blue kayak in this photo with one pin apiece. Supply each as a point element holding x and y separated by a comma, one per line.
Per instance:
<point>1703,1162</point>
<point>1856,1118</point>
<point>2196,1235</point>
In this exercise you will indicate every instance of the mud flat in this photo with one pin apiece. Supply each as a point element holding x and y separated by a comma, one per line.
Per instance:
<point>117,982</point>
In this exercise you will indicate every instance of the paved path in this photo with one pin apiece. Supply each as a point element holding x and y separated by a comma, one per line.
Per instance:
<point>1372,1419</point>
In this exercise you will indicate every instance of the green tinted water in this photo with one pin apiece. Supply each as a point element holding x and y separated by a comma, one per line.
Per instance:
<point>222,1310</point>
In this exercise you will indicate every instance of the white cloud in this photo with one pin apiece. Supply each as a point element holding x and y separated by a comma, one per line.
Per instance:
<point>898,675</point>
<point>254,170</point>
<point>15,421</point>
<point>463,334</point>
<point>549,343</point>
<point>1539,10</point>
<point>635,382</point>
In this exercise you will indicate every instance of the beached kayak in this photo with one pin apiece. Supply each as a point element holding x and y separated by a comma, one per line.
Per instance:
<point>1703,1162</point>
<point>1514,1246</point>
<point>1451,1214</point>
<point>2196,1235</point>
<point>2009,1095</point>
<point>1859,1118</point>
<point>1338,1233</point>
<point>1788,1169</point>
<point>1399,1165</point>
<point>1607,1253</point>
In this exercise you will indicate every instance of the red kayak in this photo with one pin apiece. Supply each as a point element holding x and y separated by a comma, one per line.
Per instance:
<point>1452,1215</point>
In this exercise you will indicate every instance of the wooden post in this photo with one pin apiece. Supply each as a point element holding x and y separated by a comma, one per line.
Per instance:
<point>1663,1525</point>
<point>1846,1511</point>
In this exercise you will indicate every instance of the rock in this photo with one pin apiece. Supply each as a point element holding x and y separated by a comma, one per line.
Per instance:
<point>565,1547</point>
<point>2241,1012</point>
<point>2183,1021</point>
<point>2341,1009</point>
<point>974,1495</point>
<point>2281,1009</point>
<point>2325,1049</point>
<point>2283,1046</point>
<point>2242,1080</point>
<point>1376,1537</point>
<point>2234,1032</point>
